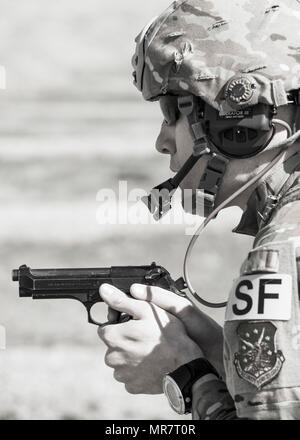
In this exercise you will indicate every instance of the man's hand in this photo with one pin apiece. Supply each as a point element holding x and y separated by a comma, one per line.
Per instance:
<point>206,332</point>
<point>141,351</point>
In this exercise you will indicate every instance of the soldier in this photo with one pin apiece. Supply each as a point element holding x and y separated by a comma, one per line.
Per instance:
<point>227,76</point>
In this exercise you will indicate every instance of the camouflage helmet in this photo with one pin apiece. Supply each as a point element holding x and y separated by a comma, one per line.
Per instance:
<point>231,54</point>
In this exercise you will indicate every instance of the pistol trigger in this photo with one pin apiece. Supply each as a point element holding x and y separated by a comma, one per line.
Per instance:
<point>124,318</point>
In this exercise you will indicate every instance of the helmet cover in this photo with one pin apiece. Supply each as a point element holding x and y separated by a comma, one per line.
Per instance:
<point>232,54</point>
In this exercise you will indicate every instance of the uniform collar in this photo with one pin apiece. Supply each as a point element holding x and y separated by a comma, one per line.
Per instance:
<point>269,194</point>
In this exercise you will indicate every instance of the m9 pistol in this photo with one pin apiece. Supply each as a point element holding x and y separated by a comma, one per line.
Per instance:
<point>83,284</point>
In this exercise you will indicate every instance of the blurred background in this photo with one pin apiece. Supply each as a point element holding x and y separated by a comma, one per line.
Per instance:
<point>72,123</point>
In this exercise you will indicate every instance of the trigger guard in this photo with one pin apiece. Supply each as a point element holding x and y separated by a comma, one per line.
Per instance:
<point>91,320</point>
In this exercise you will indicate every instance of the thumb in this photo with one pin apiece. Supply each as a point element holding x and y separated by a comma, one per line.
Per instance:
<point>169,301</point>
<point>118,300</point>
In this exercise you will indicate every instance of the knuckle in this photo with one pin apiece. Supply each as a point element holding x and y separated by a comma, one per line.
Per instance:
<point>150,292</point>
<point>111,359</point>
<point>108,359</point>
<point>100,332</point>
<point>108,336</point>
<point>187,310</point>
<point>116,301</point>
<point>119,376</point>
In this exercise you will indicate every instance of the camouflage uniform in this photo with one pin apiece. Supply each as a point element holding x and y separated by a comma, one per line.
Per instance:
<point>262,356</point>
<point>196,47</point>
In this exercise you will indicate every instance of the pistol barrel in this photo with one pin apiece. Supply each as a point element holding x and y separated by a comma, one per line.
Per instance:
<point>66,283</point>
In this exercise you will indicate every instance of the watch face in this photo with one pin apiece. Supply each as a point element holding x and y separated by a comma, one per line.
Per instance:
<point>174,395</point>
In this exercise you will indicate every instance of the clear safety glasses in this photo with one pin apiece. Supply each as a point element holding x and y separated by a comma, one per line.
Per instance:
<point>169,108</point>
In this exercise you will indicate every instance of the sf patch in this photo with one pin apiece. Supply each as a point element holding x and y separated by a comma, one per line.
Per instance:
<point>258,361</point>
<point>267,297</point>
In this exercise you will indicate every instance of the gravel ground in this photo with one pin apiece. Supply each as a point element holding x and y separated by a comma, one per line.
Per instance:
<point>68,382</point>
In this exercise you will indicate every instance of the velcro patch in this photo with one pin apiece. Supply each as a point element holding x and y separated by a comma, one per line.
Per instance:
<point>266,297</point>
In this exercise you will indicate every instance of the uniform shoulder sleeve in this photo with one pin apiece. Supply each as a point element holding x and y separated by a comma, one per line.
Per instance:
<point>262,331</point>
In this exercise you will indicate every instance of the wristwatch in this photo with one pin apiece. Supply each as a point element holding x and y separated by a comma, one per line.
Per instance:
<point>177,385</point>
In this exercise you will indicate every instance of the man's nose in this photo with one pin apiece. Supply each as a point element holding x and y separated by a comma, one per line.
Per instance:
<point>165,142</point>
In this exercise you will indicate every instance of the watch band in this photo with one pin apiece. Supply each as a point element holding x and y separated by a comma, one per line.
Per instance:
<point>186,375</point>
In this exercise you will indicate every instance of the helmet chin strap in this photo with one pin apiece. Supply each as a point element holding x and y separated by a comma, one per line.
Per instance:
<point>191,294</point>
<point>211,179</point>
<point>159,199</point>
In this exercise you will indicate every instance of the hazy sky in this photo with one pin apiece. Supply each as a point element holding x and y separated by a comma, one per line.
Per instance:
<point>71,48</point>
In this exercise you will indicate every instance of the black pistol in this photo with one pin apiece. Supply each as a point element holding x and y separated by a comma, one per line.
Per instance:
<point>83,284</point>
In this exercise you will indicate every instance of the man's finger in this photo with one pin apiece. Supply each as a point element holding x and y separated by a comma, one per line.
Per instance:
<point>113,358</point>
<point>112,315</point>
<point>169,301</point>
<point>118,300</point>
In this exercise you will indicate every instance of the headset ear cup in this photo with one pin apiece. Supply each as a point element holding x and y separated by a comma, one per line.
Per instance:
<point>242,133</point>
<point>242,142</point>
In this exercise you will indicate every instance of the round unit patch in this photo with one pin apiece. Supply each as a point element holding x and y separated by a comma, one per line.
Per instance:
<point>239,90</point>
